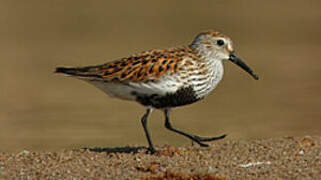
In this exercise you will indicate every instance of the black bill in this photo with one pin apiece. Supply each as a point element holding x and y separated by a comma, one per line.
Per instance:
<point>240,63</point>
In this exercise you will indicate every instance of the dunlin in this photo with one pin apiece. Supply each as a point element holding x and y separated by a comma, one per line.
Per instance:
<point>166,78</point>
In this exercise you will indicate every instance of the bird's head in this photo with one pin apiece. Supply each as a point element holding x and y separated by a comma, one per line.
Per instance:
<point>217,47</point>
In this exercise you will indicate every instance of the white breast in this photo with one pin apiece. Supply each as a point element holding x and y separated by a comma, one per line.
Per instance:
<point>208,83</point>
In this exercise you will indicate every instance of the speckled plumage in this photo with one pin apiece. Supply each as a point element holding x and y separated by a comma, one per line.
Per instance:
<point>165,78</point>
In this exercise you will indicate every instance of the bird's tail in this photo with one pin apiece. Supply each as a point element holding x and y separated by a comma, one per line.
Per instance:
<point>79,71</point>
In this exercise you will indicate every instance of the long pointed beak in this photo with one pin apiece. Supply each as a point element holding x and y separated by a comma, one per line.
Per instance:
<point>240,63</point>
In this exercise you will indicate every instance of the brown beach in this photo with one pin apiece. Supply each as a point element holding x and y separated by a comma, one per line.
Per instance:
<point>278,158</point>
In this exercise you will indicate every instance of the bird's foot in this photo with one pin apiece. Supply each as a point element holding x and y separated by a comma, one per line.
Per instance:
<point>207,139</point>
<point>151,150</point>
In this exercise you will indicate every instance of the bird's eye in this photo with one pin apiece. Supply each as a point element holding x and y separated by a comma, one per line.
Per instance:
<point>220,42</point>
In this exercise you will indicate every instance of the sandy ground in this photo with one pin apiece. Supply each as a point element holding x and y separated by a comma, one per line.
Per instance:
<point>279,158</point>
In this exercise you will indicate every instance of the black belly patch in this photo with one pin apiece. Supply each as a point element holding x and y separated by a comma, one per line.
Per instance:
<point>182,96</point>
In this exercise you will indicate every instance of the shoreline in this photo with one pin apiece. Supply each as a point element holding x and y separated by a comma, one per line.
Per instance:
<point>284,157</point>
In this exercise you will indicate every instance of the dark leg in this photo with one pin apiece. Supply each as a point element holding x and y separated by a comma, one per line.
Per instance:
<point>194,138</point>
<point>144,122</point>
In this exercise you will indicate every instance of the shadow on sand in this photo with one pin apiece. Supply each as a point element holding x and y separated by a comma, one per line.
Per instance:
<point>125,149</point>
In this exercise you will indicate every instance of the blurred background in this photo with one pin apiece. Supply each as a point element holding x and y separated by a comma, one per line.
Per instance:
<point>40,110</point>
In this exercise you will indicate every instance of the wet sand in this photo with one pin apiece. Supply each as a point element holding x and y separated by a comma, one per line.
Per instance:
<point>278,158</point>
